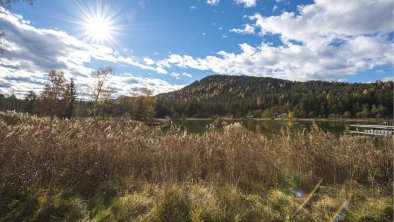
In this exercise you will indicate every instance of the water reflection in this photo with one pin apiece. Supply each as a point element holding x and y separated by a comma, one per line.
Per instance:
<point>267,127</point>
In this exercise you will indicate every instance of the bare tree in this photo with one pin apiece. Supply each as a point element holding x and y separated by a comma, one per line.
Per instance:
<point>101,93</point>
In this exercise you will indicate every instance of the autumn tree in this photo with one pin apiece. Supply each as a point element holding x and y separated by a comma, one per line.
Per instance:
<point>101,92</point>
<point>52,100</point>
<point>291,115</point>
<point>149,103</point>
<point>124,106</point>
<point>144,106</point>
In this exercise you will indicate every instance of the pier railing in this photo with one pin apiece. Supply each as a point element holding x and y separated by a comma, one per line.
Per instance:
<point>373,130</point>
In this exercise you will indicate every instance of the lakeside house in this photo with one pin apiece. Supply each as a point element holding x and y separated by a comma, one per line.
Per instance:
<point>281,115</point>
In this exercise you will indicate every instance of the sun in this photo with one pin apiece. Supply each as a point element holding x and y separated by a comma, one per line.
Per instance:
<point>98,29</point>
<point>98,23</point>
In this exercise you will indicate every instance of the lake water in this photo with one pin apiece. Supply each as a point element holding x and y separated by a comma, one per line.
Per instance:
<point>270,127</point>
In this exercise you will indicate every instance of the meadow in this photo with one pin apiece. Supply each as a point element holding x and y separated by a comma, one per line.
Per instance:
<point>117,169</point>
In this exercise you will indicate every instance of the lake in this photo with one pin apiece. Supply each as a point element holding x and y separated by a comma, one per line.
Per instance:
<point>270,127</point>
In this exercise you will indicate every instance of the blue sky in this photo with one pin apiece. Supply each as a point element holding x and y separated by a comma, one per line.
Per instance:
<point>164,45</point>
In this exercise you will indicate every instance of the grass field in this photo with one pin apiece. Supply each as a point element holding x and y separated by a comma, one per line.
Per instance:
<point>122,170</point>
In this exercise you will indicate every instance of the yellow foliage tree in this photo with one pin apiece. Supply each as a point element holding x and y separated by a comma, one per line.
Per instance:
<point>291,115</point>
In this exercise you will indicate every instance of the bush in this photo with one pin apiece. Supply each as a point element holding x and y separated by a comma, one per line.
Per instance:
<point>347,114</point>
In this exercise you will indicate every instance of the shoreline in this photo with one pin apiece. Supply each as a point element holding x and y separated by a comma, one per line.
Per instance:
<point>280,119</point>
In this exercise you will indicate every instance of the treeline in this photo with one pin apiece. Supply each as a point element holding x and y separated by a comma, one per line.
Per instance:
<point>242,96</point>
<point>213,96</point>
<point>60,98</point>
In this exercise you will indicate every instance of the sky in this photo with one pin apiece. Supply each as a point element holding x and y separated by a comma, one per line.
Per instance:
<point>166,45</point>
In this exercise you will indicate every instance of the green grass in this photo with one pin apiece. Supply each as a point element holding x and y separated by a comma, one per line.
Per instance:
<point>181,202</point>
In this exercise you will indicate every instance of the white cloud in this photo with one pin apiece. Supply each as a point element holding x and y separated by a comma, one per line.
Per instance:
<point>179,75</point>
<point>47,48</point>
<point>132,61</point>
<point>128,84</point>
<point>247,29</point>
<point>213,2</point>
<point>193,7</point>
<point>29,53</point>
<point>175,75</point>
<point>326,40</point>
<point>247,3</point>
<point>149,61</point>
<point>187,75</point>
<point>387,79</point>
<point>327,20</point>
<point>296,62</point>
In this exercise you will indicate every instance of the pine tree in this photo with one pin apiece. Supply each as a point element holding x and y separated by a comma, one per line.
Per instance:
<point>71,99</point>
<point>30,101</point>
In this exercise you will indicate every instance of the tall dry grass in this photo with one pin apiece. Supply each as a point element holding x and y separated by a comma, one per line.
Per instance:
<point>44,152</point>
<point>122,170</point>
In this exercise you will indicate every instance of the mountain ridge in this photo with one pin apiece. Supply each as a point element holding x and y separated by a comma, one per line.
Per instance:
<point>237,96</point>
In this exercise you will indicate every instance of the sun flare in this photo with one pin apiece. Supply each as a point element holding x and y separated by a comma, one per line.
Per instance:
<point>98,29</point>
<point>98,23</point>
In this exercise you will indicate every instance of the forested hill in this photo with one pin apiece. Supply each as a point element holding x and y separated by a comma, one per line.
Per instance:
<point>244,96</point>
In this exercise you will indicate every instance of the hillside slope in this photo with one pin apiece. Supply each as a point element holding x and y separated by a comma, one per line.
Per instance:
<point>241,96</point>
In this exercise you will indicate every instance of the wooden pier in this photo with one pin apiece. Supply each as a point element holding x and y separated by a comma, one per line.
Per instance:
<point>373,130</point>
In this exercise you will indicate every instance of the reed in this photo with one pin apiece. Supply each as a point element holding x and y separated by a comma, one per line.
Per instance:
<point>80,156</point>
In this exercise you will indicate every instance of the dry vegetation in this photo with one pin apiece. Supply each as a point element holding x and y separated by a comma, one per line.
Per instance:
<point>122,170</point>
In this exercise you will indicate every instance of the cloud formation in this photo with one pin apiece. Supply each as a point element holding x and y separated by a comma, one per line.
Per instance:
<point>326,40</point>
<point>247,29</point>
<point>128,84</point>
<point>247,3</point>
<point>29,53</point>
<point>179,75</point>
<point>327,20</point>
<point>213,2</point>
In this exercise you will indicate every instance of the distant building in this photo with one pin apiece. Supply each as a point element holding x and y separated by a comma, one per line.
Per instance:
<point>281,115</point>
